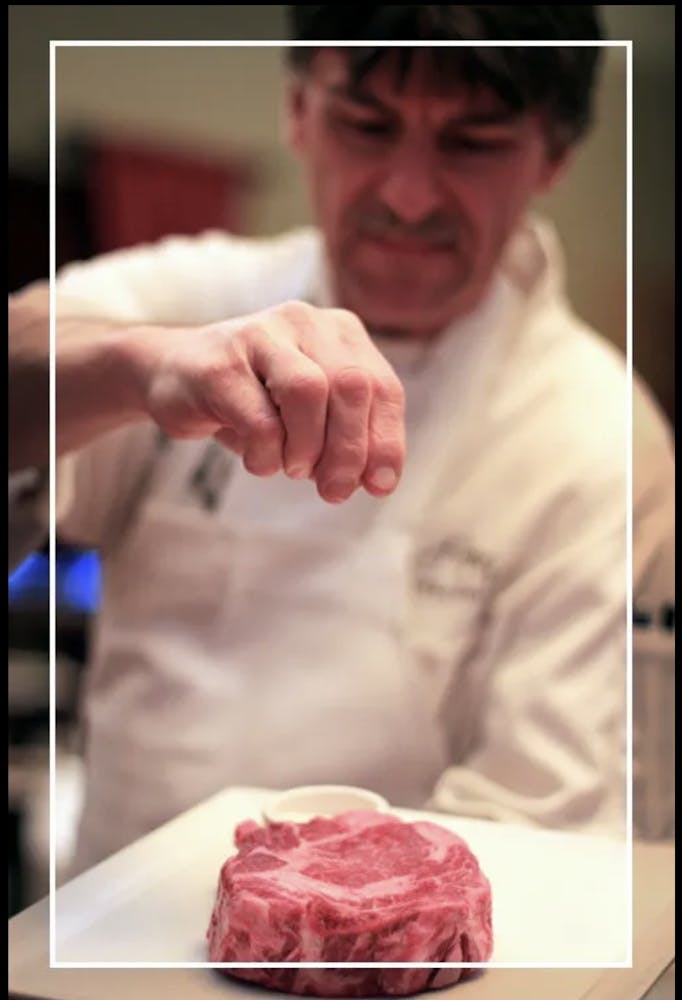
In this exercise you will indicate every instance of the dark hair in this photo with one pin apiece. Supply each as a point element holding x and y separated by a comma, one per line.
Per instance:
<point>559,80</point>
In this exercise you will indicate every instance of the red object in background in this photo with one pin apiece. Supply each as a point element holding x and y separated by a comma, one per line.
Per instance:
<point>140,192</point>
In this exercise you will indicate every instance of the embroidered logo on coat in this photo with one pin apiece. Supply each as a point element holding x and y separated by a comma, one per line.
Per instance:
<point>452,567</point>
<point>212,474</point>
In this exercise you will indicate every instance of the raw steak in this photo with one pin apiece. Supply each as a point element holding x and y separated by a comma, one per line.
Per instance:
<point>361,887</point>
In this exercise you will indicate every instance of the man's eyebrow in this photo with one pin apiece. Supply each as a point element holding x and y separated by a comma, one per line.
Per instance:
<point>501,115</point>
<point>349,92</point>
<point>493,116</point>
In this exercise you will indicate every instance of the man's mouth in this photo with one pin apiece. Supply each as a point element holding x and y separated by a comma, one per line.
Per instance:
<point>409,245</point>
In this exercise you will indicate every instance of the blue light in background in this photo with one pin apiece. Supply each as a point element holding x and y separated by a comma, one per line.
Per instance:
<point>78,584</point>
<point>78,581</point>
<point>30,580</point>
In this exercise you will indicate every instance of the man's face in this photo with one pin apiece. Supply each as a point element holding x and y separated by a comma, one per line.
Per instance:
<point>416,188</point>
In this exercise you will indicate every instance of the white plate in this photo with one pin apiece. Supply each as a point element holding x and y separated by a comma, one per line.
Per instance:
<point>558,898</point>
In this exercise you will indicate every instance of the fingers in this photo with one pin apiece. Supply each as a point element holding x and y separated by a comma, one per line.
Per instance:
<point>344,456</point>
<point>231,440</point>
<point>365,434</point>
<point>340,403</point>
<point>305,390</point>
<point>299,389</point>
<point>250,424</point>
<point>386,439</point>
<point>324,408</point>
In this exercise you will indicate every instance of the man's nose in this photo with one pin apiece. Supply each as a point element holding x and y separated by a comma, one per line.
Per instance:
<point>410,187</point>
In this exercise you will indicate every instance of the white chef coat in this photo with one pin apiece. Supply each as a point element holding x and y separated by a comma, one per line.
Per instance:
<point>461,644</point>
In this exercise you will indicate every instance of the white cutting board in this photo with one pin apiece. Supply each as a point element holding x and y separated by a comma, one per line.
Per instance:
<point>558,898</point>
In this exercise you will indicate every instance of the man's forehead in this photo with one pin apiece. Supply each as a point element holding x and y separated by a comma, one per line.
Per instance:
<point>389,84</point>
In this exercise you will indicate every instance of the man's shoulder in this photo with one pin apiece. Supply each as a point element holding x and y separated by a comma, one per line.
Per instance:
<point>571,375</point>
<point>571,386</point>
<point>591,399</point>
<point>583,418</point>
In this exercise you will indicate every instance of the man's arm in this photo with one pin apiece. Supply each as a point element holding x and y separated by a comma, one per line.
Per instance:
<point>293,388</point>
<point>95,389</point>
<point>28,377</point>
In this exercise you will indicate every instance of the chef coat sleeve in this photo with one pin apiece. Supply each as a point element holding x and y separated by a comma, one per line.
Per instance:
<point>187,280</point>
<point>178,280</point>
<point>552,745</point>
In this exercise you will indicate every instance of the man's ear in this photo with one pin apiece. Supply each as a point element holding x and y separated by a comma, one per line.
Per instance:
<point>295,107</point>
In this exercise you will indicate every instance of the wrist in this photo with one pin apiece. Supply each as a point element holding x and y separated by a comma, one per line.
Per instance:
<point>102,373</point>
<point>134,358</point>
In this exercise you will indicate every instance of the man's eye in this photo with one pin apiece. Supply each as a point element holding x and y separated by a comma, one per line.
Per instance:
<point>372,127</point>
<point>369,128</point>
<point>475,144</point>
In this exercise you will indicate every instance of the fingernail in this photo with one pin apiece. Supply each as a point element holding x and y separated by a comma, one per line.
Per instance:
<point>298,472</point>
<point>339,490</point>
<point>384,478</point>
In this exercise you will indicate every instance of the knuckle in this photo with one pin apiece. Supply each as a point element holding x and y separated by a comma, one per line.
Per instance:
<point>245,334</point>
<point>350,327</point>
<point>346,455</point>
<point>296,312</point>
<point>215,383</point>
<point>265,430</point>
<point>352,385</point>
<point>389,389</point>
<point>386,451</point>
<point>347,319</point>
<point>307,387</point>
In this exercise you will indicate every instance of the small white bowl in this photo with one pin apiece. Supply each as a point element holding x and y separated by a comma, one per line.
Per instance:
<point>298,805</point>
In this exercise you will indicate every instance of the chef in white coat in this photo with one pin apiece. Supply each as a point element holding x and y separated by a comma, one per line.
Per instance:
<point>286,598</point>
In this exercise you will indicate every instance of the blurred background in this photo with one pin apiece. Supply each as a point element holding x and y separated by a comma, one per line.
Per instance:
<point>159,140</point>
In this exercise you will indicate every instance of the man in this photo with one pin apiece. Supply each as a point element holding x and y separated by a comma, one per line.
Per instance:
<point>447,629</point>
